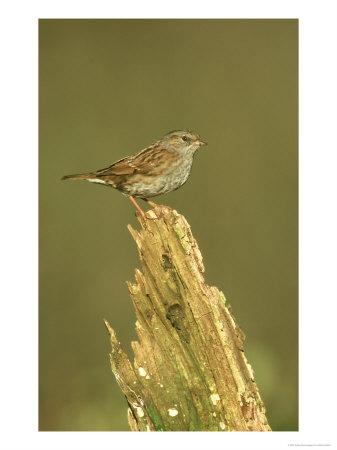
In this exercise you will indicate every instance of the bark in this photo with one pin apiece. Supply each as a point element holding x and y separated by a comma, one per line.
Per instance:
<point>190,372</point>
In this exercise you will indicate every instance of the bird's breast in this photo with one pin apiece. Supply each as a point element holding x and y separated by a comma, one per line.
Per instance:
<point>160,180</point>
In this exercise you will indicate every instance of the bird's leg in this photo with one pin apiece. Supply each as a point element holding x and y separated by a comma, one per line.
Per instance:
<point>142,213</point>
<point>149,202</point>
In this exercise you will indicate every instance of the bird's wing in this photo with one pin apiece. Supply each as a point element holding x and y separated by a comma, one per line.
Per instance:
<point>122,167</point>
<point>143,162</point>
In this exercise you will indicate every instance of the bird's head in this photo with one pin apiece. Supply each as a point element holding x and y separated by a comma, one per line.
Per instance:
<point>185,142</point>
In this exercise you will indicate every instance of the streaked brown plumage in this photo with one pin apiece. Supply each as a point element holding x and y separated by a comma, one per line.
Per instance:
<point>160,168</point>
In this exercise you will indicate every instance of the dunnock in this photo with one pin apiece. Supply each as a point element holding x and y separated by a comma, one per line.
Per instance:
<point>160,168</point>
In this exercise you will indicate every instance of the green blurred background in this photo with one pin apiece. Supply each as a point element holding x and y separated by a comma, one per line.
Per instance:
<point>109,88</point>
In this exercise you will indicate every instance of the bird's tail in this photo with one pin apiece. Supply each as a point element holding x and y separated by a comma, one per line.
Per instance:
<point>79,176</point>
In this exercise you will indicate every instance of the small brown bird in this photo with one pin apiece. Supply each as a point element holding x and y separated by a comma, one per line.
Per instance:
<point>160,168</point>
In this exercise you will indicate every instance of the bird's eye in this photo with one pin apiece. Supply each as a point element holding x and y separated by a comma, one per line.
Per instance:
<point>185,138</point>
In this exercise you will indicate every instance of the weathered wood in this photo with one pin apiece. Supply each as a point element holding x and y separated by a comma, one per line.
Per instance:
<point>190,372</point>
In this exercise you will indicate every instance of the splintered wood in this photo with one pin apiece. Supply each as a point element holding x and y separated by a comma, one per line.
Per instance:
<point>189,372</point>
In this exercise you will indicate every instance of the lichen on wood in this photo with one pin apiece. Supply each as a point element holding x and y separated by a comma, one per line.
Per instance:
<point>189,372</point>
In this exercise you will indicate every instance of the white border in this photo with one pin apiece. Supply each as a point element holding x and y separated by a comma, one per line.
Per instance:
<point>318,225</point>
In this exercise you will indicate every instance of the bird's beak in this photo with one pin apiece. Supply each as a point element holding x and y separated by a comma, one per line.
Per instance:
<point>202,143</point>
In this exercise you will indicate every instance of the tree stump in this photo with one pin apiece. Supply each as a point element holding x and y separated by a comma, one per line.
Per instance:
<point>189,372</point>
